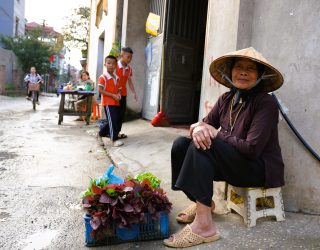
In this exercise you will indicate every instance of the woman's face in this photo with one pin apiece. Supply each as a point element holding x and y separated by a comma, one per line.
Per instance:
<point>84,77</point>
<point>244,74</point>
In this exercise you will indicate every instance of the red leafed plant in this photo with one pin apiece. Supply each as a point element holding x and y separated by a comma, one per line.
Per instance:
<point>123,205</point>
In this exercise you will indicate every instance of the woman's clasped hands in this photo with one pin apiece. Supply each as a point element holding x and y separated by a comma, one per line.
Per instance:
<point>202,134</point>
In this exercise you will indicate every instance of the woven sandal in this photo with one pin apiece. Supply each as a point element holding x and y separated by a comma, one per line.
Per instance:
<point>190,213</point>
<point>187,238</point>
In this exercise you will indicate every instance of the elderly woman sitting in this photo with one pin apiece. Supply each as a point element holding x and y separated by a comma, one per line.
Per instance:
<point>236,142</point>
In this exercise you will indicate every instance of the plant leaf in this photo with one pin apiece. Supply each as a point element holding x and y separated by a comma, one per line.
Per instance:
<point>95,222</point>
<point>128,189</point>
<point>128,208</point>
<point>96,190</point>
<point>104,198</point>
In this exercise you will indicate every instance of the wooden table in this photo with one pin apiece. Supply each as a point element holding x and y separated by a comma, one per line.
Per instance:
<point>71,111</point>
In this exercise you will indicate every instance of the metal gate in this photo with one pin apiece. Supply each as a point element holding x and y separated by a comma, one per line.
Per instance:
<point>183,58</point>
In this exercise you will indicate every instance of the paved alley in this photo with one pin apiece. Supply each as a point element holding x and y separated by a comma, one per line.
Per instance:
<point>44,167</point>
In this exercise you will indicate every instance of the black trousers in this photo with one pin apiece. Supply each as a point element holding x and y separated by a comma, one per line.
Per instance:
<point>123,108</point>
<point>194,170</point>
<point>112,127</point>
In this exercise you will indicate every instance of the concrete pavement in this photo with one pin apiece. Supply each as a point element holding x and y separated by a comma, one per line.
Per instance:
<point>147,148</point>
<point>44,167</point>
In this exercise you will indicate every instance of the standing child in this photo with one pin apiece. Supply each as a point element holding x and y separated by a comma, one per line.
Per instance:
<point>109,87</point>
<point>124,72</point>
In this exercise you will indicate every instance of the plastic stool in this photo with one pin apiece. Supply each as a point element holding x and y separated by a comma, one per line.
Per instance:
<point>244,201</point>
<point>96,110</point>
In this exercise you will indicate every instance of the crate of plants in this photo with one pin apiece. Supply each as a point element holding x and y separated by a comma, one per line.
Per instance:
<point>123,210</point>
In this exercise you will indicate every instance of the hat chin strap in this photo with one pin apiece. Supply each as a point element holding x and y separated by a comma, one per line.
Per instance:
<point>262,77</point>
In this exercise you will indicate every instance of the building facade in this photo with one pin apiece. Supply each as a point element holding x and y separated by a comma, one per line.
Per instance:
<point>12,23</point>
<point>57,59</point>
<point>173,67</point>
<point>112,22</point>
<point>12,17</point>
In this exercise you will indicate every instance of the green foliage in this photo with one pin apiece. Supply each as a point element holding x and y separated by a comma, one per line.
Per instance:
<point>154,181</point>
<point>99,182</point>
<point>30,51</point>
<point>9,86</point>
<point>76,31</point>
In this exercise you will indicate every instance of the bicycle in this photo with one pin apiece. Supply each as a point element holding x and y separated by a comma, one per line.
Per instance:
<point>35,89</point>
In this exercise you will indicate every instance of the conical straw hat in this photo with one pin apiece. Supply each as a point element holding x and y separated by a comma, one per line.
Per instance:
<point>273,78</point>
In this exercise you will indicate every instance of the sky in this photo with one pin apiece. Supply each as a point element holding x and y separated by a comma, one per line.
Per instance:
<point>54,13</point>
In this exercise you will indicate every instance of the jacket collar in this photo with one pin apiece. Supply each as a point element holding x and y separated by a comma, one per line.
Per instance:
<point>121,66</point>
<point>110,77</point>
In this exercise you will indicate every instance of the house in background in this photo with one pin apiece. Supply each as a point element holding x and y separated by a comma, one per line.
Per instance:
<point>12,23</point>
<point>57,60</point>
<point>12,17</point>
<point>106,28</point>
<point>171,70</point>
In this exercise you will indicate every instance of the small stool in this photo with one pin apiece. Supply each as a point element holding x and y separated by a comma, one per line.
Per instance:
<point>96,111</point>
<point>244,201</point>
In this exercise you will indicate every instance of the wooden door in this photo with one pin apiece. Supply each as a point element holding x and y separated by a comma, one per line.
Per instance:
<point>183,58</point>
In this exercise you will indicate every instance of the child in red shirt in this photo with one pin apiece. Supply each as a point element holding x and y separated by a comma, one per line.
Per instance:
<point>124,72</point>
<point>110,88</point>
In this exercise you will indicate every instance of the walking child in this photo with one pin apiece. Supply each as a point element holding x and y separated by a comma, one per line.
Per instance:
<point>124,72</point>
<point>109,87</point>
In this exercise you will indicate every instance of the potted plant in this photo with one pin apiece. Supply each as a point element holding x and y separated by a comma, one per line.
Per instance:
<point>124,206</point>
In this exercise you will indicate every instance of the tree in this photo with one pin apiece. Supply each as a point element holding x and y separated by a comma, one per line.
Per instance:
<point>76,31</point>
<point>30,51</point>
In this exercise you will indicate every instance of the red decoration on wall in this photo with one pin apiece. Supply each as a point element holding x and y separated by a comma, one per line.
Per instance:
<point>51,58</point>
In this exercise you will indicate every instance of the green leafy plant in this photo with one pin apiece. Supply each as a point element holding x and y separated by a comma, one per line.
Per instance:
<point>154,181</point>
<point>94,185</point>
<point>124,204</point>
<point>10,86</point>
<point>30,51</point>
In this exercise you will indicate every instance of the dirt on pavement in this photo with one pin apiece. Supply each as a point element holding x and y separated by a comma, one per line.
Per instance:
<point>43,169</point>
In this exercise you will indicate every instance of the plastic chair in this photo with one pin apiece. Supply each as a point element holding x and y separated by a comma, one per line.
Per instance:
<point>254,203</point>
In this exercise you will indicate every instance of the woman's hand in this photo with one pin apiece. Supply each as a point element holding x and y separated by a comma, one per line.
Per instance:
<point>202,134</point>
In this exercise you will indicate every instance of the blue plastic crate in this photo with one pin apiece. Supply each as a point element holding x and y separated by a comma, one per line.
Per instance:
<point>152,230</point>
<point>128,233</point>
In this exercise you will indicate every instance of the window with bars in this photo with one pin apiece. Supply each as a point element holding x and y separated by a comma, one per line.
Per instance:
<point>17,27</point>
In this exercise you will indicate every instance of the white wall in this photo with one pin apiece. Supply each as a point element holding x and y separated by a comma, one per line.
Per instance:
<point>221,37</point>
<point>288,35</point>
<point>135,37</point>
<point>106,27</point>
<point>19,11</point>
